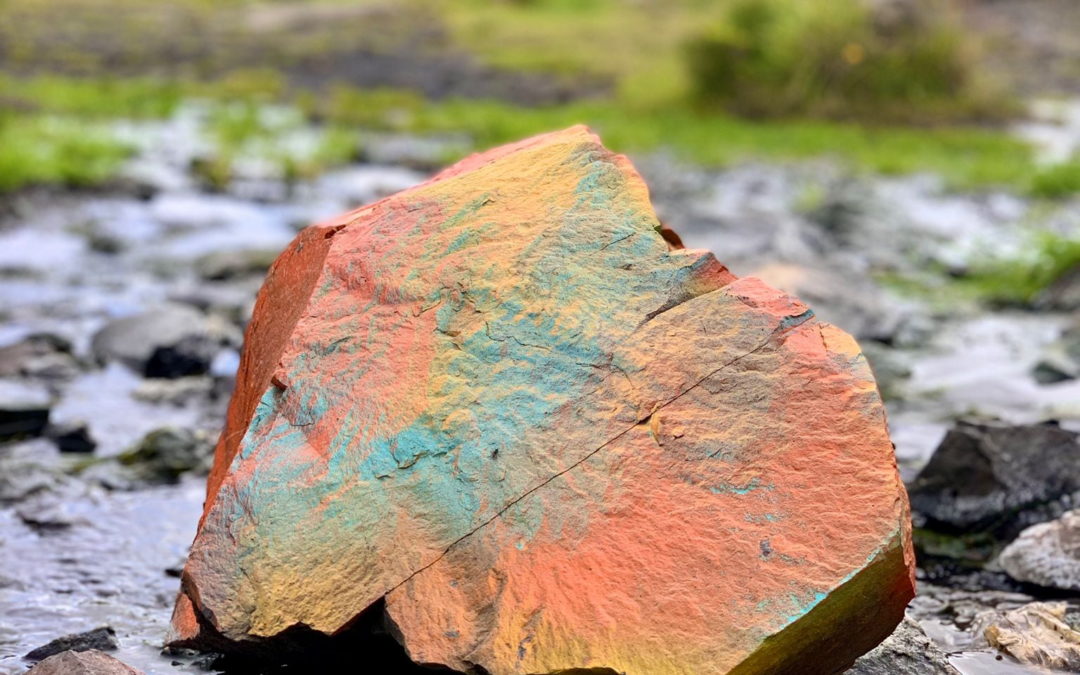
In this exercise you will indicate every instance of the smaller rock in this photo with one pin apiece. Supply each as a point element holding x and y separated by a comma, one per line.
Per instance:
<point>159,336</point>
<point>46,512</point>
<point>166,454</point>
<point>1035,634</point>
<point>177,568</point>
<point>41,355</point>
<point>1061,360</point>
<point>179,391</point>
<point>89,662</point>
<point>24,409</point>
<point>191,355</point>
<point>1047,554</point>
<point>21,478</point>
<point>73,437</point>
<point>102,638</point>
<point>908,651</point>
<point>225,265</point>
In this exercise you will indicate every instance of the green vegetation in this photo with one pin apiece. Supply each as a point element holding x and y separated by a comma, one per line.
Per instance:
<point>837,59</point>
<point>644,87</point>
<point>55,151</point>
<point>966,157</point>
<point>1057,181</point>
<point>1019,280</point>
<point>996,280</point>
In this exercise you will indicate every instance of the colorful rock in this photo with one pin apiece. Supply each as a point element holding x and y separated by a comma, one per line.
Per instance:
<point>502,403</point>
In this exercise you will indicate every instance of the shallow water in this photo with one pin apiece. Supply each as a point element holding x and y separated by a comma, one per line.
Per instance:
<point>107,569</point>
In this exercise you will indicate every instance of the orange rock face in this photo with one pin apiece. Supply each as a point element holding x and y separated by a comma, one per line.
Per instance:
<point>502,403</point>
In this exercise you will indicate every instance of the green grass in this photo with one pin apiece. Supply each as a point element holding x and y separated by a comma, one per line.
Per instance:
<point>996,281</point>
<point>1058,181</point>
<point>55,151</point>
<point>1018,281</point>
<point>966,157</point>
<point>636,46</point>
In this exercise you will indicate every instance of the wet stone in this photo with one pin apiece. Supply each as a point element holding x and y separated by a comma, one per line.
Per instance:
<point>73,437</point>
<point>1047,554</point>
<point>102,639</point>
<point>908,651</point>
<point>191,355</point>
<point>166,454</point>
<point>24,409</point>
<point>42,355</point>
<point>1061,360</point>
<point>997,478</point>
<point>170,339</point>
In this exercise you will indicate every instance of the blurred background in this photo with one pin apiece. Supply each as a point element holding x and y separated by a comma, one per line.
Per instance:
<point>910,168</point>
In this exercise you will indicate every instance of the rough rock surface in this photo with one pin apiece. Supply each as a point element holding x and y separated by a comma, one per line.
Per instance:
<point>1047,554</point>
<point>908,651</point>
<point>501,404</point>
<point>98,638</point>
<point>998,478</point>
<point>1035,634</point>
<point>90,662</point>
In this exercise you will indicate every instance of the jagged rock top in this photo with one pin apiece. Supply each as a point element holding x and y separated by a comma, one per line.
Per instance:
<point>502,403</point>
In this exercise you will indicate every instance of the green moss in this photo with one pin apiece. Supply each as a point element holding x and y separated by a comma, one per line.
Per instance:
<point>995,280</point>
<point>1017,281</point>
<point>54,151</point>
<point>90,98</point>
<point>1057,181</point>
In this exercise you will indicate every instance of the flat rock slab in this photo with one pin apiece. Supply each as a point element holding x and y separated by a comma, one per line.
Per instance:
<point>502,404</point>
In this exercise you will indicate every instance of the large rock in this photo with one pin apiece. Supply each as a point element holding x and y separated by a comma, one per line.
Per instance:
<point>998,478</point>
<point>501,405</point>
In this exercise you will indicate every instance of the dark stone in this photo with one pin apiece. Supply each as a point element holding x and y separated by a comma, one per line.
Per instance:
<point>73,438</point>
<point>908,651</point>
<point>24,410</point>
<point>102,639</point>
<point>984,484</point>
<point>997,479</point>
<point>174,336</point>
<point>165,454</point>
<point>23,423</point>
<point>191,355</point>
